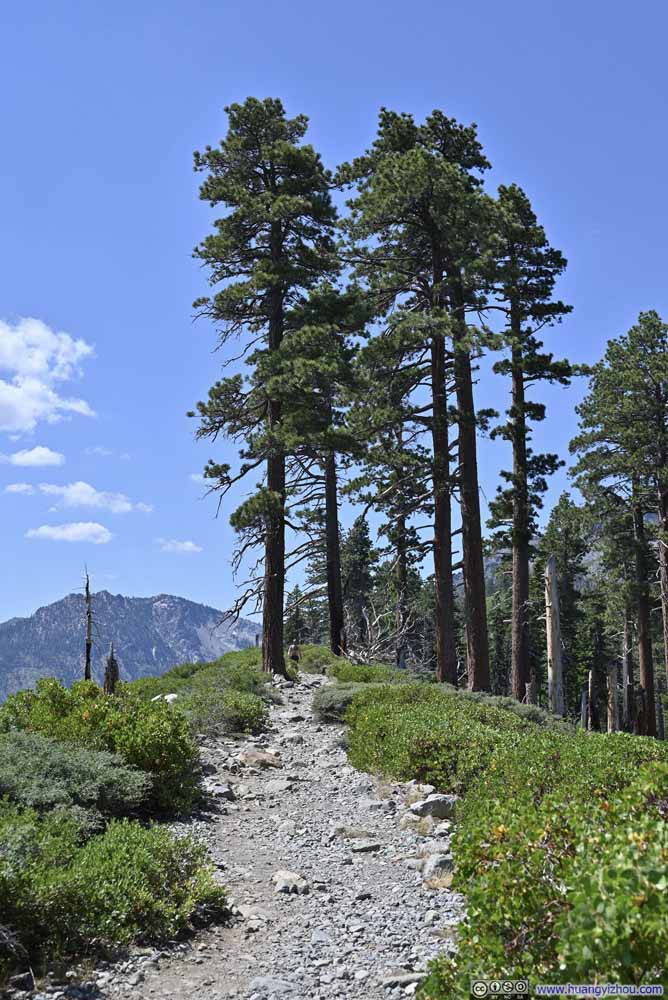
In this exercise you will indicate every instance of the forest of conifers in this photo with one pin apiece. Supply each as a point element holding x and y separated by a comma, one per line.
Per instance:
<point>360,300</point>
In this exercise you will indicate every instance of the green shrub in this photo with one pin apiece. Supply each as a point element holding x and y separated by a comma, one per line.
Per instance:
<point>147,735</point>
<point>418,731</point>
<point>317,659</point>
<point>211,708</point>
<point>561,846</point>
<point>130,884</point>
<point>376,673</point>
<point>228,694</point>
<point>331,703</point>
<point>41,773</point>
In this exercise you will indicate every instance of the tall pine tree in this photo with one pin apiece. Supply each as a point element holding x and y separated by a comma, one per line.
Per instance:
<point>270,247</point>
<point>523,273</point>
<point>417,224</point>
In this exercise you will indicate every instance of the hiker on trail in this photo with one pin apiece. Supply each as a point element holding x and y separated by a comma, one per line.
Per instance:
<point>293,652</point>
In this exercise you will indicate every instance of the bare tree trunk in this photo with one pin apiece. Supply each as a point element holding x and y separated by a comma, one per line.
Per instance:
<point>401,576</point>
<point>613,709</point>
<point>446,653</point>
<point>520,663</point>
<point>584,711</point>
<point>646,666</point>
<point>591,696</point>
<point>555,684</point>
<point>89,631</point>
<point>334,589</point>
<point>663,572</point>
<point>628,694</point>
<point>273,658</point>
<point>473,566</point>
<point>660,730</point>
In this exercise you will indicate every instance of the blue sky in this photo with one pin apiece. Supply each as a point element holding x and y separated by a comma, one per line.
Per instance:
<point>103,106</point>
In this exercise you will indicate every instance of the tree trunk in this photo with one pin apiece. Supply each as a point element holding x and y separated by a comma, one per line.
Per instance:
<point>89,631</point>
<point>591,699</point>
<point>583,708</point>
<point>520,663</point>
<point>477,647</point>
<point>334,589</point>
<point>555,684</point>
<point>446,653</point>
<point>401,577</point>
<point>660,730</point>
<point>646,667</point>
<point>273,658</point>
<point>628,694</point>
<point>663,572</point>
<point>613,711</point>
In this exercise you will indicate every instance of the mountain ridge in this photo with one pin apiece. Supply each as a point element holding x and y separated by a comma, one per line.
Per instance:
<point>150,635</point>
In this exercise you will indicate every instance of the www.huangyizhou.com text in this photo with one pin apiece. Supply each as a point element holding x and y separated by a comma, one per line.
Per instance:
<point>597,990</point>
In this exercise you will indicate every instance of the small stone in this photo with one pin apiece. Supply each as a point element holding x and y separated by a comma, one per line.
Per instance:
<point>365,846</point>
<point>259,758</point>
<point>269,985</point>
<point>350,833</point>
<point>438,806</point>
<point>436,865</point>
<point>277,786</point>
<point>290,882</point>
<point>402,979</point>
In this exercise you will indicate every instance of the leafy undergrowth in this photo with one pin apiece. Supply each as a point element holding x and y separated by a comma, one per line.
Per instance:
<point>148,736</point>
<point>60,896</point>
<point>561,845</point>
<point>94,785</point>
<point>77,875</point>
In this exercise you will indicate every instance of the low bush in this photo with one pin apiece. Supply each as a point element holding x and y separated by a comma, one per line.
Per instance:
<point>360,673</point>
<point>229,694</point>
<point>211,708</point>
<point>330,703</point>
<point>317,659</point>
<point>147,735</point>
<point>41,773</point>
<point>419,731</point>
<point>561,846</point>
<point>130,884</point>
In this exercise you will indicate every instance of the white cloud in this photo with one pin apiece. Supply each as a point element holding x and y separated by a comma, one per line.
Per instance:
<point>24,488</point>
<point>196,477</point>
<point>34,457</point>
<point>82,494</point>
<point>34,359</point>
<point>173,545</point>
<point>76,531</point>
<point>99,451</point>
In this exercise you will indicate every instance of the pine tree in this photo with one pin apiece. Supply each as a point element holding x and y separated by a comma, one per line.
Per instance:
<point>358,564</point>
<point>296,626</point>
<point>621,465</point>
<point>270,247</point>
<point>417,222</point>
<point>523,271</point>
<point>317,359</point>
<point>566,537</point>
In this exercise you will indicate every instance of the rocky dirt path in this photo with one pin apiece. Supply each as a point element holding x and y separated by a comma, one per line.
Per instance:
<point>340,888</point>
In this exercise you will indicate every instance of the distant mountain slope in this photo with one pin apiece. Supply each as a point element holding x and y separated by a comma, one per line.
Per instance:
<point>150,635</point>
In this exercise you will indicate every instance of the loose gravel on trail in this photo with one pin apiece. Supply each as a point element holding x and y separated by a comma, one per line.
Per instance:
<point>339,886</point>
